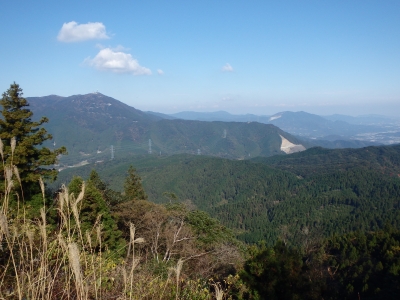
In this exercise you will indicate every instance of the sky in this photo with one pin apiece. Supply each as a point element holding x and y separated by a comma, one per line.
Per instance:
<point>259,57</point>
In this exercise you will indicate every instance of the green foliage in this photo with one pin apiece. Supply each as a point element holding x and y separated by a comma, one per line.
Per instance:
<point>277,273</point>
<point>27,157</point>
<point>317,161</point>
<point>365,264</point>
<point>110,196</point>
<point>133,186</point>
<point>208,231</point>
<point>94,210</point>
<point>297,197</point>
<point>351,266</point>
<point>243,140</point>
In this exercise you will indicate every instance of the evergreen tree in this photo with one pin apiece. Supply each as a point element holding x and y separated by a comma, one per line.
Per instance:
<point>111,197</point>
<point>27,157</point>
<point>94,209</point>
<point>133,186</point>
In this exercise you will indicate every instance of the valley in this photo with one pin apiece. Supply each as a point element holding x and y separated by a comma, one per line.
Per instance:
<point>255,178</point>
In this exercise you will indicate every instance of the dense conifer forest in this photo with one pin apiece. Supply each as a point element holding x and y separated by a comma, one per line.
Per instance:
<point>320,191</point>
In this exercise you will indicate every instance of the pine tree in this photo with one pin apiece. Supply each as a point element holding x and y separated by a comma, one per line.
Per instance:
<point>28,157</point>
<point>133,186</point>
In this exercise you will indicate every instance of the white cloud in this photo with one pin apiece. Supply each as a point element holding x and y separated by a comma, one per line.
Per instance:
<point>74,32</point>
<point>117,62</point>
<point>227,68</point>
<point>160,72</point>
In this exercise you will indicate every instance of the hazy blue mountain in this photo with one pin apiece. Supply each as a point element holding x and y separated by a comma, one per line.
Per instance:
<point>161,115</point>
<point>364,119</point>
<point>219,116</point>
<point>371,129</point>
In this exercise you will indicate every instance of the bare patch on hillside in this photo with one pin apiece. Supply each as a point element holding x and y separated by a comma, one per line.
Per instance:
<point>289,147</point>
<point>275,117</point>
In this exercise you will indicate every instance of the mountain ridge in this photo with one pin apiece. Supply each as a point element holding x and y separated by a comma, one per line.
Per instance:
<point>90,125</point>
<point>373,129</point>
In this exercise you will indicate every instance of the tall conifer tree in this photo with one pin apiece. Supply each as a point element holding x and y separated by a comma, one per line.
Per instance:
<point>16,122</point>
<point>133,186</point>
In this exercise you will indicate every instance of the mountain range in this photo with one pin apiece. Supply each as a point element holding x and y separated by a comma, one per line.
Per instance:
<point>95,127</point>
<point>368,129</point>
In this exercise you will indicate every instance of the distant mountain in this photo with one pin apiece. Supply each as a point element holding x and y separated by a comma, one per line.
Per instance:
<point>93,110</point>
<point>95,127</point>
<point>364,119</point>
<point>220,116</point>
<point>91,123</point>
<point>217,116</point>
<point>161,115</point>
<point>371,129</point>
<point>297,123</point>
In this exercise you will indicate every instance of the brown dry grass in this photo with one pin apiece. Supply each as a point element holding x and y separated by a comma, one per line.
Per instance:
<point>40,262</point>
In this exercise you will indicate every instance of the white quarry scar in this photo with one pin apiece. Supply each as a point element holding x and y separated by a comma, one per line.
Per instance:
<point>289,147</point>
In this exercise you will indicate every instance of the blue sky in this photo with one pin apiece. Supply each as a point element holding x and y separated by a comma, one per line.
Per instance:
<point>249,56</point>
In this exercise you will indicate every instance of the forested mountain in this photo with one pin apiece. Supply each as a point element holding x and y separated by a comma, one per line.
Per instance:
<point>382,159</point>
<point>337,142</point>
<point>317,191</point>
<point>88,125</point>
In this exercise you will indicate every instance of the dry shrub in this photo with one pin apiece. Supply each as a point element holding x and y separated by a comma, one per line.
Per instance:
<point>39,261</point>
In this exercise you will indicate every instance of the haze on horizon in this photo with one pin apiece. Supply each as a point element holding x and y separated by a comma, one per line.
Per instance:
<point>259,57</point>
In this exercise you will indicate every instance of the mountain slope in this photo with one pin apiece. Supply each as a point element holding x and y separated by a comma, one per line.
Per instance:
<point>319,192</point>
<point>223,139</point>
<point>87,123</point>
<point>382,159</point>
<point>325,191</point>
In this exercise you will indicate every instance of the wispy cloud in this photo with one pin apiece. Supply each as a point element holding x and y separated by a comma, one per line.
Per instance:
<point>227,68</point>
<point>116,61</point>
<point>227,98</point>
<point>160,72</point>
<point>74,32</point>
